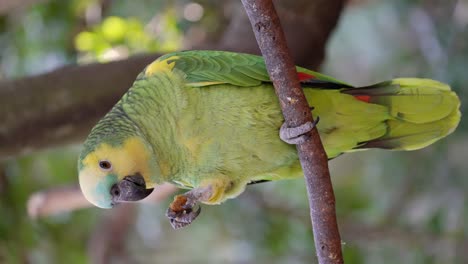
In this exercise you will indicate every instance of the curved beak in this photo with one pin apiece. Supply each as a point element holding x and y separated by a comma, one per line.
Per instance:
<point>131,188</point>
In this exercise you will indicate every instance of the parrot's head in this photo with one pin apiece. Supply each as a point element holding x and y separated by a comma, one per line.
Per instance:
<point>110,173</point>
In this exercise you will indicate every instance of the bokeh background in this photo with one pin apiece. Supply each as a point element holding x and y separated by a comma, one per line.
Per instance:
<point>393,207</point>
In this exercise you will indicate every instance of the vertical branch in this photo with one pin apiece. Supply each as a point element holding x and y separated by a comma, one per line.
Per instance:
<point>296,111</point>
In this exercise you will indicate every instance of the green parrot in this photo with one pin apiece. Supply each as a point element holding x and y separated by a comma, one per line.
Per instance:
<point>210,121</point>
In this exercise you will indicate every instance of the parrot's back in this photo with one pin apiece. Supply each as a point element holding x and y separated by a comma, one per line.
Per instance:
<point>206,114</point>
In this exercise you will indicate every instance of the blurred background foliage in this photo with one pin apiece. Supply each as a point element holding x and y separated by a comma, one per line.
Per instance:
<point>393,207</point>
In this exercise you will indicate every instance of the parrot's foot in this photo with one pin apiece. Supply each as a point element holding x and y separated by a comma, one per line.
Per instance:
<point>297,135</point>
<point>181,211</point>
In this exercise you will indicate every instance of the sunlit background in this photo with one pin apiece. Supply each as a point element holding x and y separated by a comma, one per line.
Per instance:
<point>393,207</point>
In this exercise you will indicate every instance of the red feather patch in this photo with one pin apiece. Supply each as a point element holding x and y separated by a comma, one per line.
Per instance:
<point>364,98</point>
<point>304,76</point>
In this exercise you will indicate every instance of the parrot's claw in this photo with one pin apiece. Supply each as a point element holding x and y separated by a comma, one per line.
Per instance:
<point>182,218</point>
<point>180,212</point>
<point>297,135</point>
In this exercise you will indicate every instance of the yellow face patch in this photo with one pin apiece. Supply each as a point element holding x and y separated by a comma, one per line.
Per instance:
<point>129,158</point>
<point>161,65</point>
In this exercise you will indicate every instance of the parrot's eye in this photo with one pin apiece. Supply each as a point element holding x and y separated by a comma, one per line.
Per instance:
<point>105,165</point>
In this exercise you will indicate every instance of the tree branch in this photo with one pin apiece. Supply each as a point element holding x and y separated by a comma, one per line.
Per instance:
<point>272,43</point>
<point>65,199</point>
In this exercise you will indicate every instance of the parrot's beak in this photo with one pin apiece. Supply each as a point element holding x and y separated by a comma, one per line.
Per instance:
<point>131,188</point>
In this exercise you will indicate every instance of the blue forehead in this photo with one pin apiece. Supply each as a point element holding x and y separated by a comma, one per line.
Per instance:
<point>102,192</point>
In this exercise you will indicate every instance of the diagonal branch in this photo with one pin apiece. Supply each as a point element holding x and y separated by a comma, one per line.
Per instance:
<point>61,106</point>
<point>272,43</point>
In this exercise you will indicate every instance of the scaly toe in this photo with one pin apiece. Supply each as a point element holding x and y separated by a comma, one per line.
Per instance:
<point>296,135</point>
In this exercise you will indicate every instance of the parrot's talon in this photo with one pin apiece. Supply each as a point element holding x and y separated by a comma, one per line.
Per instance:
<point>317,119</point>
<point>297,135</point>
<point>189,205</point>
<point>180,212</point>
<point>182,218</point>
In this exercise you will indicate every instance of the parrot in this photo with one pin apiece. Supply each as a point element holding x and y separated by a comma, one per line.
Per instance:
<point>210,122</point>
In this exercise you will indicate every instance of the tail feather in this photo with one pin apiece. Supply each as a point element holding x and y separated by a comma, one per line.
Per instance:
<point>422,111</point>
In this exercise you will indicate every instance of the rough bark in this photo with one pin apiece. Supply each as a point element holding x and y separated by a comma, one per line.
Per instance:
<point>60,107</point>
<point>272,42</point>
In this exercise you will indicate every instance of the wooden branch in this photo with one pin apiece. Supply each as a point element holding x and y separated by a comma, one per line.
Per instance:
<point>64,199</point>
<point>56,200</point>
<point>272,43</point>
